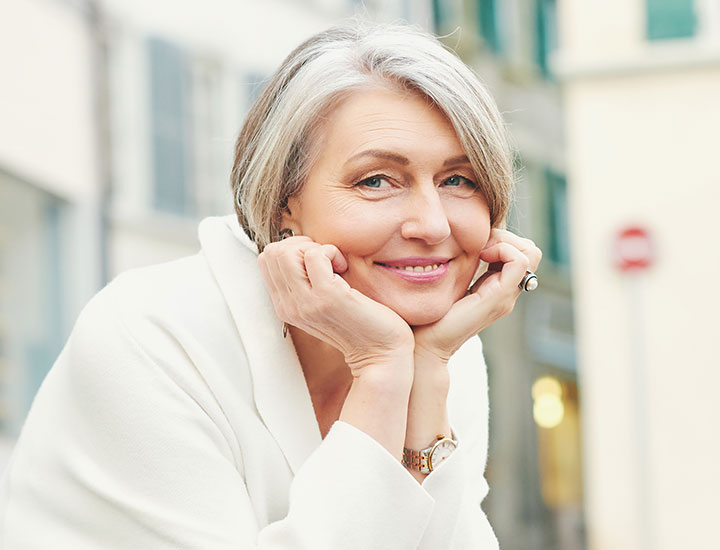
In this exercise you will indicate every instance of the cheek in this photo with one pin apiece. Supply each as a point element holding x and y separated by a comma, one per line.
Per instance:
<point>357,230</point>
<point>471,229</point>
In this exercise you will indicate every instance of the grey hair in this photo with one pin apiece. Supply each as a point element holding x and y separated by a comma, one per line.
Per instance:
<point>274,151</point>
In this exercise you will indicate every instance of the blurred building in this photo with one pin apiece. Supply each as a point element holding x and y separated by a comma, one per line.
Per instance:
<point>51,190</point>
<point>613,110</point>
<point>641,83</point>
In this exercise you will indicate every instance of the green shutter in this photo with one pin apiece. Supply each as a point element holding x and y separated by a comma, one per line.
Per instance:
<point>440,14</point>
<point>558,232</point>
<point>545,34</point>
<point>488,23</point>
<point>670,19</point>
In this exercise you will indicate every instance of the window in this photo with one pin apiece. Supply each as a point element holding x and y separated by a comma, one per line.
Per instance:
<point>670,19</point>
<point>170,120</point>
<point>32,291</point>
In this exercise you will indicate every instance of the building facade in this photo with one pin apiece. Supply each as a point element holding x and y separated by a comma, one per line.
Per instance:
<point>640,83</point>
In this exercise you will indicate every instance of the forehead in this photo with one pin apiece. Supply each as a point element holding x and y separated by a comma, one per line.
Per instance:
<point>386,118</point>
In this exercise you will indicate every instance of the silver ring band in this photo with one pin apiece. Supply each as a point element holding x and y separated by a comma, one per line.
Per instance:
<point>529,282</point>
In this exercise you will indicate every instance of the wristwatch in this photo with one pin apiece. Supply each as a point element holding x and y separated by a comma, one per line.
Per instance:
<point>426,460</point>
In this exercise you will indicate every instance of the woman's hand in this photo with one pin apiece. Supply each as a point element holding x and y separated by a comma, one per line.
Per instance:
<point>491,297</point>
<point>307,292</point>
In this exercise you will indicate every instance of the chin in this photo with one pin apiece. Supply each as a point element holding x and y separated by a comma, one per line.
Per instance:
<point>416,317</point>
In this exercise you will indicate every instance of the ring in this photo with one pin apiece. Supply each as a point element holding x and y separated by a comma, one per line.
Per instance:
<point>529,282</point>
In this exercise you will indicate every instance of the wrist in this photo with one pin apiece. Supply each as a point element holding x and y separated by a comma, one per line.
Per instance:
<point>431,355</point>
<point>397,361</point>
<point>386,373</point>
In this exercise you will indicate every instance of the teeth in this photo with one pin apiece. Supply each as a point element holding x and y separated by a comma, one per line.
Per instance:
<point>417,268</point>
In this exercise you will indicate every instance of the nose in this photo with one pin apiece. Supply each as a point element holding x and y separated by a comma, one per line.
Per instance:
<point>426,218</point>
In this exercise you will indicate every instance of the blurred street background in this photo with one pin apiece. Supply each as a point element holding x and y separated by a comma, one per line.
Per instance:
<point>117,125</point>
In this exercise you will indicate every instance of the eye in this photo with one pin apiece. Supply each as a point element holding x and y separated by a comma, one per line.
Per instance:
<point>374,182</point>
<point>457,181</point>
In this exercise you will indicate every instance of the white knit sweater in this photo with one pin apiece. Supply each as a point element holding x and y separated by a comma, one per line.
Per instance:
<point>177,417</point>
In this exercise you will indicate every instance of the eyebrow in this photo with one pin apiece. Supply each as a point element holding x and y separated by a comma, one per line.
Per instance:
<point>387,155</point>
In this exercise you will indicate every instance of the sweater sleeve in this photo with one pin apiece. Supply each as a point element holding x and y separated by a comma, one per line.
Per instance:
<point>117,454</point>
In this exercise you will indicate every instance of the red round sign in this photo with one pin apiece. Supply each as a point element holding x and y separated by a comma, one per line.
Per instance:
<point>633,249</point>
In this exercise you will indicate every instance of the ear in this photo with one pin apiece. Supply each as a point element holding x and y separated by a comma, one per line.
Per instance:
<point>291,215</point>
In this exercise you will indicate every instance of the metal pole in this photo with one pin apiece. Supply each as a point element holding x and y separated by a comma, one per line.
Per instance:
<point>641,417</point>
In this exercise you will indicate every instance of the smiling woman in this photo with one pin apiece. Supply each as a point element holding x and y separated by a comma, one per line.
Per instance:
<point>413,196</point>
<point>371,181</point>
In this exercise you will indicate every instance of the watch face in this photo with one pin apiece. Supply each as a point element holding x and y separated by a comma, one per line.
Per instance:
<point>440,452</point>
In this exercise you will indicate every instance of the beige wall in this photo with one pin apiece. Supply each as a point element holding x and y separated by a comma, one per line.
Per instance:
<point>643,149</point>
<point>47,107</point>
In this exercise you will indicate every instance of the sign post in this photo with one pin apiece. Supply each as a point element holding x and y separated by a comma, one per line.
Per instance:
<point>634,255</point>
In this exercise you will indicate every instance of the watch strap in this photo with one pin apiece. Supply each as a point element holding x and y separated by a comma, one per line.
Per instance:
<point>419,460</point>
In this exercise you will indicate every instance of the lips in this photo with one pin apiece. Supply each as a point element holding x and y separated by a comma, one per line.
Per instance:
<point>417,268</point>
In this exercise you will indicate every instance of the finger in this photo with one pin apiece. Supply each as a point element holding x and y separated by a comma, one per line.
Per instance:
<point>289,268</point>
<point>514,263</point>
<point>276,287</point>
<point>319,268</point>
<point>286,266</point>
<point>339,263</point>
<point>526,246</point>
<point>480,281</point>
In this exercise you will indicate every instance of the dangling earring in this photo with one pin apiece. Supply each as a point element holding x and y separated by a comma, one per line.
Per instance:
<point>285,233</point>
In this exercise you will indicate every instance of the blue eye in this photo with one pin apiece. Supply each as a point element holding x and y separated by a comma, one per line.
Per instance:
<point>374,182</point>
<point>456,181</point>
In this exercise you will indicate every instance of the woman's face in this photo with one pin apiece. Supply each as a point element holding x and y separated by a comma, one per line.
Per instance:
<point>393,190</point>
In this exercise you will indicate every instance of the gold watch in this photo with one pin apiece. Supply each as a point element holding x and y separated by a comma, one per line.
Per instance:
<point>426,460</point>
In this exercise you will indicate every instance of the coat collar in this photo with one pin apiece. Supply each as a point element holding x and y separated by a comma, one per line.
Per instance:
<point>281,394</point>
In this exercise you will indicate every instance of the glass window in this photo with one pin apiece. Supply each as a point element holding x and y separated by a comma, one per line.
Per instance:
<point>670,19</point>
<point>170,120</point>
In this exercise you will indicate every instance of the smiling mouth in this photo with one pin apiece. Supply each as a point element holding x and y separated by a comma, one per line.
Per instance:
<point>413,268</point>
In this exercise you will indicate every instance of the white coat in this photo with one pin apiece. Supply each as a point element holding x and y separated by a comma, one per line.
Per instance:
<point>177,417</point>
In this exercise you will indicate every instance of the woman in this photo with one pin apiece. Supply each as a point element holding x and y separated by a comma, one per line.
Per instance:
<point>309,379</point>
